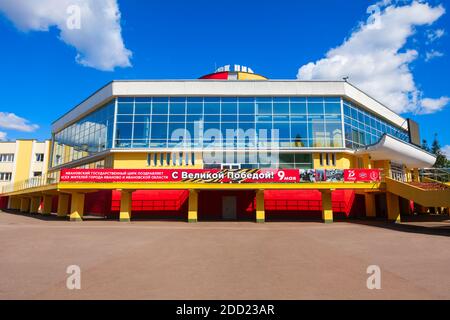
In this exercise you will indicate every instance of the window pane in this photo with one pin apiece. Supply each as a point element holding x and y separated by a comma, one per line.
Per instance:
<point>317,134</point>
<point>195,108</point>
<point>229,108</point>
<point>142,108</point>
<point>194,117</point>
<point>315,108</point>
<point>212,108</point>
<point>141,131</point>
<point>332,108</point>
<point>283,130</point>
<point>177,118</point>
<point>280,108</point>
<point>177,108</point>
<point>246,108</point>
<point>333,135</point>
<point>142,118</point>
<point>264,108</point>
<point>124,131</point>
<point>299,131</point>
<point>298,108</point>
<point>121,118</point>
<point>160,108</point>
<point>159,131</point>
<point>125,108</point>
<point>159,118</point>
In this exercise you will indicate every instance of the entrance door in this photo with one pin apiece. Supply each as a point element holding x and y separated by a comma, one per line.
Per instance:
<point>229,211</point>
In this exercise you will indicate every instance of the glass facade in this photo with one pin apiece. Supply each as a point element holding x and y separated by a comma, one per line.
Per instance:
<point>236,122</point>
<point>364,128</point>
<point>87,137</point>
<point>251,160</point>
<point>293,122</point>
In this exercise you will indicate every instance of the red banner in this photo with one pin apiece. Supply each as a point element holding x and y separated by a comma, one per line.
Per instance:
<point>362,175</point>
<point>181,175</point>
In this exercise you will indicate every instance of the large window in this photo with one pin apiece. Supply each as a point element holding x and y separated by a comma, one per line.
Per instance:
<point>162,122</point>
<point>250,160</point>
<point>5,176</point>
<point>364,128</point>
<point>7,157</point>
<point>88,136</point>
<point>39,157</point>
<point>234,122</point>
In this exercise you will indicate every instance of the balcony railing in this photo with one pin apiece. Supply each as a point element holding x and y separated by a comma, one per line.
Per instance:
<point>436,174</point>
<point>34,182</point>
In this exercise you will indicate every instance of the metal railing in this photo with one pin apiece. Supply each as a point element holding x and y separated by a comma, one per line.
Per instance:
<point>30,183</point>
<point>437,174</point>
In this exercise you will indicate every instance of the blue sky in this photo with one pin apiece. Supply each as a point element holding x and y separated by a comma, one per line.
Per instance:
<point>41,79</point>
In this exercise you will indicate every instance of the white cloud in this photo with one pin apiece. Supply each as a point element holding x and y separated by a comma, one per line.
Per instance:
<point>433,54</point>
<point>13,122</point>
<point>98,40</point>
<point>433,35</point>
<point>446,151</point>
<point>3,136</point>
<point>374,56</point>
<point>428,105</point>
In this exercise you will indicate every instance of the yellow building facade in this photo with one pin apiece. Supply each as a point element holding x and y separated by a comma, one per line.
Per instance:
<point>323,133</point>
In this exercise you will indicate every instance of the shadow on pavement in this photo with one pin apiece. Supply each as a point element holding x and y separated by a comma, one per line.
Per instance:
<point>439,226</point>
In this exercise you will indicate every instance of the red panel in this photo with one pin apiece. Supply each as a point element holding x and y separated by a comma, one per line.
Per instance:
<point>210,204</point>
<point>154,203</point>
<point>216,76</point>
<point>4,203</point>
<point>55,204</point>
<point>98,203</point>
<point>290,204</point>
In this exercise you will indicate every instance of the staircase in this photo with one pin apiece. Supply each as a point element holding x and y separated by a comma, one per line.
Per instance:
<point>430,185</point>
<point>435,174</point>
<point>427,194</point>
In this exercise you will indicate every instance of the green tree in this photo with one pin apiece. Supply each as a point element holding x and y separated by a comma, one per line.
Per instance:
<point>441,159</point>
<point>425,145</point>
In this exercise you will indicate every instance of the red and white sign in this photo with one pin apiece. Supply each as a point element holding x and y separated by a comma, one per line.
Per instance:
<point>362,175</point>
<point>181,175</point>
<point>218,176</point>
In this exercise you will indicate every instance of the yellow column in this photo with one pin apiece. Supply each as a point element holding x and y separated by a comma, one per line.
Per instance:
<point>327,209</point>
<point>25,205</point>
<point>63,205</point>
<point>260,210</point>
<point>387,168</point>
<point>370,205</point>
<point>125,205</point>
<point>193,206</point>
<point>366,162</point>
<point>77,207</point>
<point>35,203</point>
<point>47,205</point>
<point>393,208</point>
<point>14,203</point>
<point>416,175</point>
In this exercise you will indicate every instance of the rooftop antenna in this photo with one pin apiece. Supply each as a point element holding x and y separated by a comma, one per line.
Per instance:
<point>346,78</point>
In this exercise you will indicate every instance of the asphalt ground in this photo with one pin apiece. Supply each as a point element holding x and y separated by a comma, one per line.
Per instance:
<point>220,260</point>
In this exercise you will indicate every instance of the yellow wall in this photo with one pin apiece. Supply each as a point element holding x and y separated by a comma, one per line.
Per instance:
<point>130,160</point>
<point>23,161</point>
<point>136,160</point>
<point>250,76</point>
<point>343,161</point>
